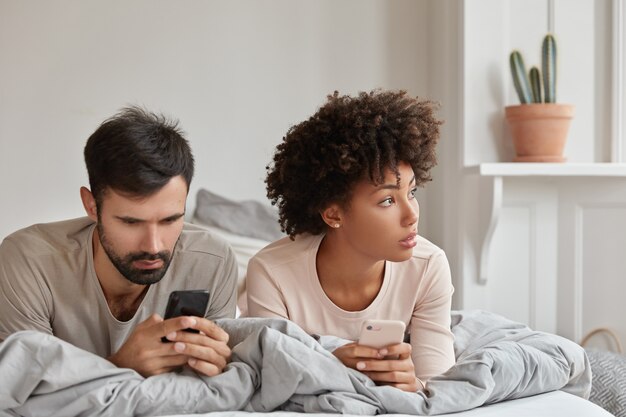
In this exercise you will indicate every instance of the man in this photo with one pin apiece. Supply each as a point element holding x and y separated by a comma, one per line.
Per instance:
<point>98,282</point>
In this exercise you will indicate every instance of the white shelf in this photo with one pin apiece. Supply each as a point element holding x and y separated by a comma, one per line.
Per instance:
<point>520,169</point>
<point>492,175</point>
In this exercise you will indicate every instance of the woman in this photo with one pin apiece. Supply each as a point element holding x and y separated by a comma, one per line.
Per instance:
<point>344,181</point>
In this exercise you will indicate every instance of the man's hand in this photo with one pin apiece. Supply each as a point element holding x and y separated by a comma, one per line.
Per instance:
<point>397,370</point>
<point>144,351</point>
<point>208,351</point>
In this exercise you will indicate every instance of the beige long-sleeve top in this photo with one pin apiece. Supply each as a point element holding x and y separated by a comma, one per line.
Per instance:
<point>282,281</point>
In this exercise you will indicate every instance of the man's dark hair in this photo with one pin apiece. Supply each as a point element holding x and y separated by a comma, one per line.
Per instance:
<point>136,152</point>
<point>348,140</point>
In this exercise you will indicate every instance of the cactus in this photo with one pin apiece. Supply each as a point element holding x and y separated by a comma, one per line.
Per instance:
<point>535,84</point>
<point>530,91</point>
<point>548,63</point>
<point>520,78</point>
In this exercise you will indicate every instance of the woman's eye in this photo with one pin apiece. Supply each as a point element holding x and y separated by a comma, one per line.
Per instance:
<point>412,192</point>
<point>386,202</point>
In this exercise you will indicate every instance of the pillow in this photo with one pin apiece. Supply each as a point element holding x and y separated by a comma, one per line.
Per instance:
<point>608,387</point>
<point>244,248</point>
<point>248,227</point>
<point>246,218</point>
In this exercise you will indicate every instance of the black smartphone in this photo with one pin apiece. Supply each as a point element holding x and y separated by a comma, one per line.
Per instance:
<point>186,303</point>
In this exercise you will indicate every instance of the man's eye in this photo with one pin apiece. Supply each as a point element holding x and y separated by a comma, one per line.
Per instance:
<point>386,202</point>
<point>130,221</point>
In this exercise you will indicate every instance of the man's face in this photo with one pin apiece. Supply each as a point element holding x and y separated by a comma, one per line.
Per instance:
<point>139,234</point>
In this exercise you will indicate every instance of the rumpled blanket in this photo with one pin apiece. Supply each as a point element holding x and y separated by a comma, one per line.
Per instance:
<point>277,366</point>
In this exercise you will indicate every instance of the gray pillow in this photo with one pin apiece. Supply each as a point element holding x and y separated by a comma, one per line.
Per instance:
<point>608,386</point>
<point>245,218</point>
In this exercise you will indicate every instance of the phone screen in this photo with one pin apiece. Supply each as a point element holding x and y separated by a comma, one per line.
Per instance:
<point>186,303</point>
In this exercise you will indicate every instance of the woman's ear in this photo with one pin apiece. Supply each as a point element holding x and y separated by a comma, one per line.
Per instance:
<point>89,202</point>
<point>332,216</point>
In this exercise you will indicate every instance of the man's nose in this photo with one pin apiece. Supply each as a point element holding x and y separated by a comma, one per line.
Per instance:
<point>151,242</point>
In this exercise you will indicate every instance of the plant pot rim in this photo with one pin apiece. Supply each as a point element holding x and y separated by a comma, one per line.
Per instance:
<point>539,105</point>
<point>539,111</point>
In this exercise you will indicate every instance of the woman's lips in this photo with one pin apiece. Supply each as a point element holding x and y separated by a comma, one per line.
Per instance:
<point>410,241</point>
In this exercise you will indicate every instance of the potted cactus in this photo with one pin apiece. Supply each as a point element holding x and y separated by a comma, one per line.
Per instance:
<point>539,125</point>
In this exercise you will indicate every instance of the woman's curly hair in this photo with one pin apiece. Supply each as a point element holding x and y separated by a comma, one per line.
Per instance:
<point>348,140</point>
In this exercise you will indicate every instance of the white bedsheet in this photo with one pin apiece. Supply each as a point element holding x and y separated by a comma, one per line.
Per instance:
<point>551,404</point>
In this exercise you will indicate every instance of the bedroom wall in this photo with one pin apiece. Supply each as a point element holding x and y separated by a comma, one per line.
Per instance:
<point>235,73</point>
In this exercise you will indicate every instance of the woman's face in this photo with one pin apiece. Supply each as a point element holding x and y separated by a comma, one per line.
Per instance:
<point>381,220</point>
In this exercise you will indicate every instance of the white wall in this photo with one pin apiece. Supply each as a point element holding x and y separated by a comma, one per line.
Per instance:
<point>235,73</point>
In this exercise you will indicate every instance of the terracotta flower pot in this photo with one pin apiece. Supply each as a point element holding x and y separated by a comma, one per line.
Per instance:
<point>539,130</point>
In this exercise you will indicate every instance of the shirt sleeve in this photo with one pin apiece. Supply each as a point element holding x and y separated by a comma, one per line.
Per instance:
<point>25,300</point>
<point>224,303</point>
<point>432,342</point>
<point>265,298</point>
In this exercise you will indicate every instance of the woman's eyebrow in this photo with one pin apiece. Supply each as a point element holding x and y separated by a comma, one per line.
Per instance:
<point>391,186</point>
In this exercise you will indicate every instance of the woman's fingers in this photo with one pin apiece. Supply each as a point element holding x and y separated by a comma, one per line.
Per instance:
<point>398,372</point>
<point>352,353</point>
<point>393,377</point>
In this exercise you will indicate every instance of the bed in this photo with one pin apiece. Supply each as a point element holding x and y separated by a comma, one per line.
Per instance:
<point>503,368</point>
<point>551,404</point>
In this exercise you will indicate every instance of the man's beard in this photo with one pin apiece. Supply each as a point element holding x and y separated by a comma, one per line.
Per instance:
<point>125,264</point>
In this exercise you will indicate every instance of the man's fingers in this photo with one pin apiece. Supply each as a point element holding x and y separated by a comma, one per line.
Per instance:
<point>200,340</point>
<point>210,329</point>
<point>173,325</point>
<point>162,364</point>
<point>170,361</point>
<point>203,353</point>
<point>204,326</point>
<point>206,368</point>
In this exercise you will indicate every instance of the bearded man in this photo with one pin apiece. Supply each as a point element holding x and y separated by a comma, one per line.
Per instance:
<point>100,281</point>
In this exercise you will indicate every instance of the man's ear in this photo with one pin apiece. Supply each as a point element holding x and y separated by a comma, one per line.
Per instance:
<point>89,202</point>
<point>332,216</point>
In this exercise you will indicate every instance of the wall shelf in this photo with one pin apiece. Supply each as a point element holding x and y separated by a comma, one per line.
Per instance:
<point>517,169</point>
<point>492,184</point>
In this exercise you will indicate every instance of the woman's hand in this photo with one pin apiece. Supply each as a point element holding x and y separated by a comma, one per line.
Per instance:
<point>352,353</point>
<point>387,366</point>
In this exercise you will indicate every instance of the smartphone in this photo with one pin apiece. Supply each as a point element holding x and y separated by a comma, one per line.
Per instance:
<point>381,333</point>
<point>186,303</point>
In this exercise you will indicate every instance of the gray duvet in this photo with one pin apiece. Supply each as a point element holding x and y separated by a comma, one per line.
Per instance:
<point>276,366</point>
